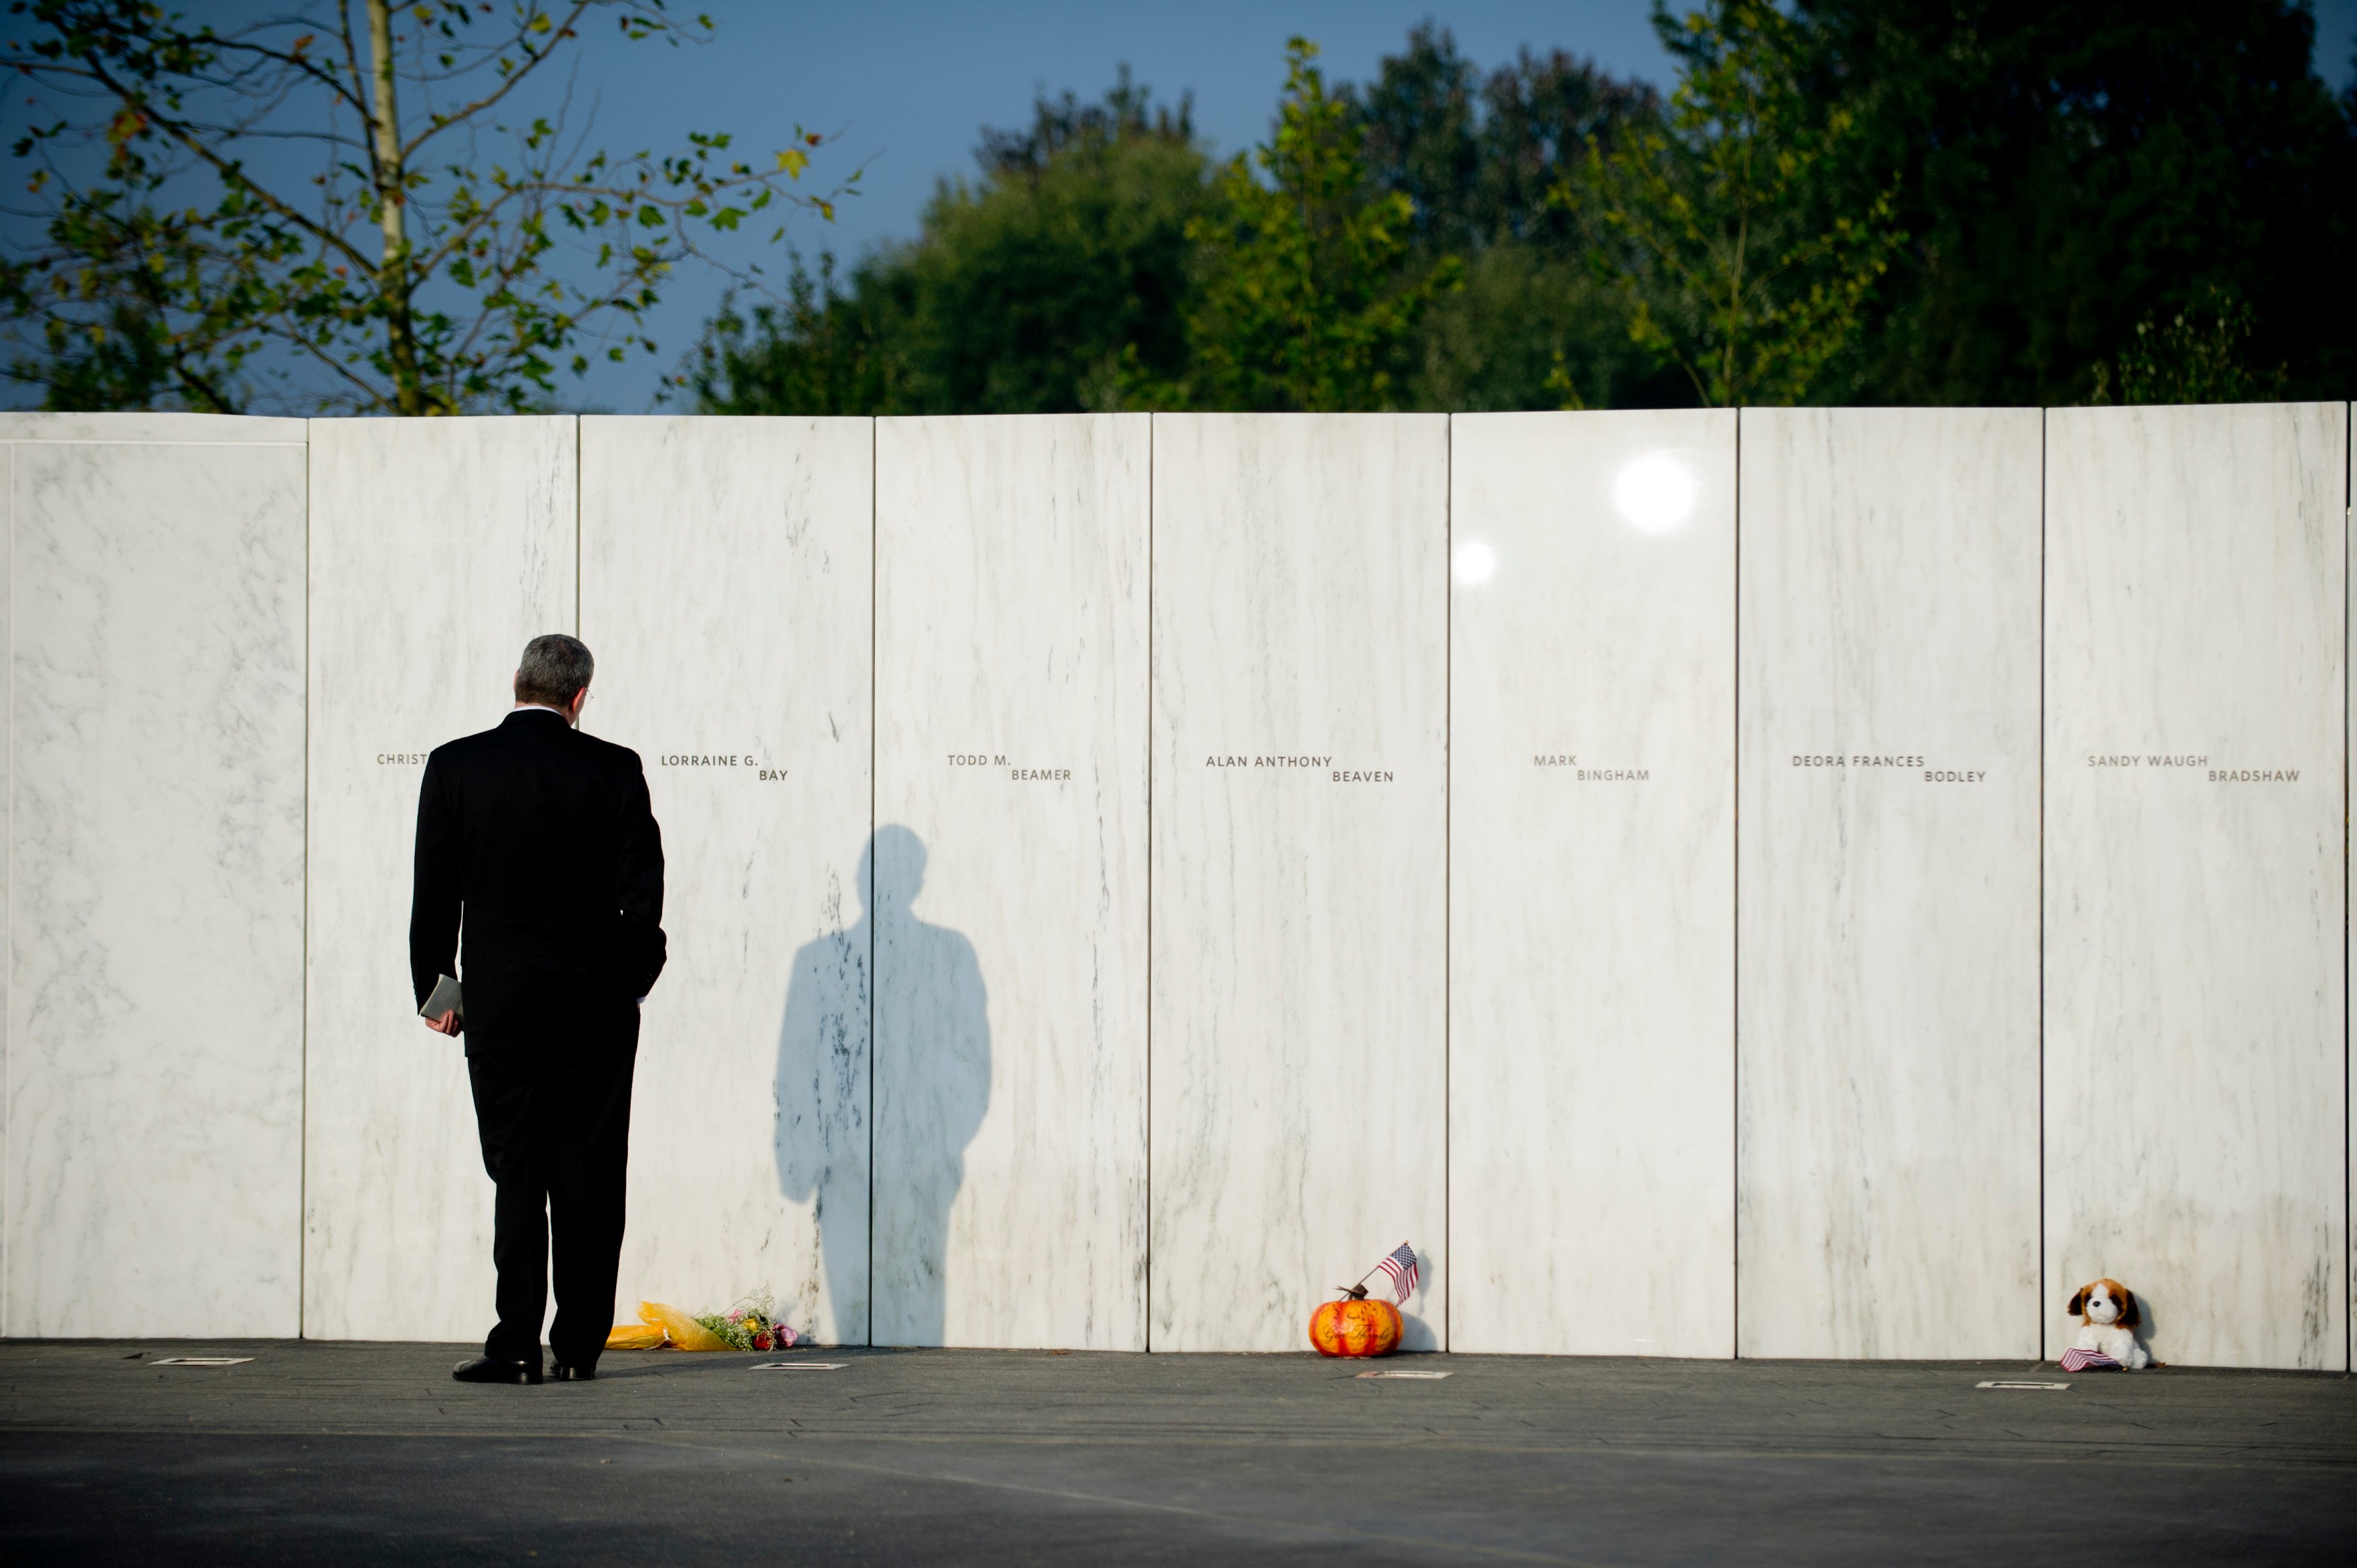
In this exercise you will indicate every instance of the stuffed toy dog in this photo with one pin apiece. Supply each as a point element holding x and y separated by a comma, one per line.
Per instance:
<point>2109,1332</point>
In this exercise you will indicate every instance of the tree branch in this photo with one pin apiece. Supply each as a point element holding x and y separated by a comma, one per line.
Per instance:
<point>291,334</point>
<point>297,62</point>
<point>231,173</point>
<point>437,123</point>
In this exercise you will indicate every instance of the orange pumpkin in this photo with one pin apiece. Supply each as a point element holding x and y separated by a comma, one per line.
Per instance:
<point>1362,1327</point>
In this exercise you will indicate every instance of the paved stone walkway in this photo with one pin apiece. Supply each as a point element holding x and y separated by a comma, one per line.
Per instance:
<point>368,1453</point>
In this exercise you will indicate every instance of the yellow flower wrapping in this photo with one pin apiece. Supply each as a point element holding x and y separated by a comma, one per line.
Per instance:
<point>659,1325</point>
<point>635,1336</point>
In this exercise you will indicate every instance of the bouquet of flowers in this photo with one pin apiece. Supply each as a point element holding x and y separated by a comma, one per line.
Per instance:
<point>751,1324</point>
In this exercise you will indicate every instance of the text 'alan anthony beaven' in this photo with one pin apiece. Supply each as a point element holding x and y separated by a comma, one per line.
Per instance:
<point>1281,760</point>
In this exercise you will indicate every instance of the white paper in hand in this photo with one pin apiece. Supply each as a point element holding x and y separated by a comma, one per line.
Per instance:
<point>445,999</point>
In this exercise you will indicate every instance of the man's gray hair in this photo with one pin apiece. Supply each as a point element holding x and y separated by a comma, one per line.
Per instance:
<point>554,670</point>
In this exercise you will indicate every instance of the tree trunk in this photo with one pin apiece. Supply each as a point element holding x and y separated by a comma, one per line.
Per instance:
<point>392,281</point>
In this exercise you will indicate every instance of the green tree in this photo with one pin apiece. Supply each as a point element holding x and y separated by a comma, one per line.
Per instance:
<point>1714,224</point>
<point>1478,157</point>
<point>1532,329</point>
<point>1026,291</point>
<point>1308,295</point>
<point>2199,356</point>
<point>296,211</point>
<point>823,351</point>
<point>1062,277</point>
<point>2069,171</point>
<point>1420,128</point>
<point>1074,249</point>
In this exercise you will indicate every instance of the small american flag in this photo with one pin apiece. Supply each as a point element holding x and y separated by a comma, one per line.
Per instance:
<point>2077,1360</point>
<point>1403,1269</point>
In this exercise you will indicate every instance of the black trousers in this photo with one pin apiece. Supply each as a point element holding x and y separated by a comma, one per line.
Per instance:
<point>556,1128</point>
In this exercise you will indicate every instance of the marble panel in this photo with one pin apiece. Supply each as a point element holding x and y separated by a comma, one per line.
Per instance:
<point>156,642</point>
<point>1591,996</point>
<point>1298,991</point>
<point>439,547</point>
<point>1888,1003</point>
<point>1011,804</point>
<point>145,429</point>
<point>2195,1058</point>
<point>725,568</point>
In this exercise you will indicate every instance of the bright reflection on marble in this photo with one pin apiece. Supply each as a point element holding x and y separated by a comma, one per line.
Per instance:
<point>1654,492</point>
<point>1591,868</point>
<point>1476,562</point>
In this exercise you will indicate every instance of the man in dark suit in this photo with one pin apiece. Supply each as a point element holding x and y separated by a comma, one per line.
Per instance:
<point>543,838</point>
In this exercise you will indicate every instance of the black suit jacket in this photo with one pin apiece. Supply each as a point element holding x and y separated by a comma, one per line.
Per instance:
<point>544,838</point>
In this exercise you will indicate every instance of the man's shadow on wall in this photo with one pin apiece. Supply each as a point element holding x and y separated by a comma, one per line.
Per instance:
<point>929,1018</point>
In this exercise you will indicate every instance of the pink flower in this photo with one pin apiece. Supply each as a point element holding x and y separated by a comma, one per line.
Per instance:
<point>735,1315</point>
<point>786,1337</point>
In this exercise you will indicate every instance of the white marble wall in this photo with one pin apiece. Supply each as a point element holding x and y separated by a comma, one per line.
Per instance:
<point>1591,883</point>
<point>154,965</point>
<point>726,593</point>
<point>1011,805</point>
<point>1887,1005</point>
<point>1342,1052</point>
<point>1299,1073</point>
<point>439,547</point>
<point>2195,1060</point>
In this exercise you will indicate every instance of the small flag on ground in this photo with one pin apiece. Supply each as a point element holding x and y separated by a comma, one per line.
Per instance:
<point>1403,1269</point>
<point>2077,1360</point>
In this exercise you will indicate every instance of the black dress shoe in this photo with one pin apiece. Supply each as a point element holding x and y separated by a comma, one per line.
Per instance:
<point>560,1372</point>
<point>490,1369</point>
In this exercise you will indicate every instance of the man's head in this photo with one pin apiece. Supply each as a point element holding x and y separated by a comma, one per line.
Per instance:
<point>555,673</point>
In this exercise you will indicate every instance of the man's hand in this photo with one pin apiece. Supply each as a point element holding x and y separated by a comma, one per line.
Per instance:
<point>446,1024</point>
